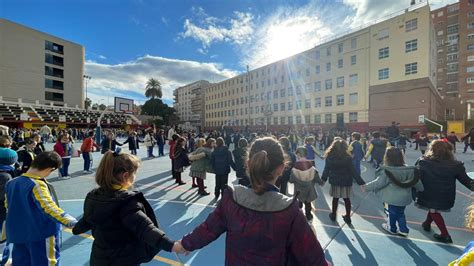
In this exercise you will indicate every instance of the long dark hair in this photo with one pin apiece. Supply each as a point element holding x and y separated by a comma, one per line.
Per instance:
<point>337,150</point>
<point>393,157</point>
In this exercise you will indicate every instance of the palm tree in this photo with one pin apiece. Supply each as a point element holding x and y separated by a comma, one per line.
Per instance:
<point>153,89</point>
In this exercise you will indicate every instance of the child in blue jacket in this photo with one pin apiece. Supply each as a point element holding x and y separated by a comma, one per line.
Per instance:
<point>356,150</point>
<point>34,219</point>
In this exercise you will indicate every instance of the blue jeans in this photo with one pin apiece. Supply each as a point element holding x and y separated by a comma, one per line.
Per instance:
<point>356,164</point>
<point>396,214</point>
<point>87,156</point>
<point>65,167</point>
<point>150,151</point>
<point>160,150</point>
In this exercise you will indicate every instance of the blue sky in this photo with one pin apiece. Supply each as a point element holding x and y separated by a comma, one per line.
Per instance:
<point>178,42</point>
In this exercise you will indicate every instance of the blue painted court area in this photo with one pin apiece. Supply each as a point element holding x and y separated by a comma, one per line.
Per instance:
<point>180,210</point>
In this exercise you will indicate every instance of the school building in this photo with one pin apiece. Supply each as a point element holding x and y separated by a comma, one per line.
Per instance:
<point>39,68</point>
<point>364,79</point>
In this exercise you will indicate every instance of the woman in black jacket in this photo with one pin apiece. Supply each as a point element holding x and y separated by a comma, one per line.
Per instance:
<point>439,172</point>
<point>240,158</point>
<point>282,181</point>
<point>340,171</point>
<point>123,224</point>
<point>221,160</point>
<point>181,159</point>
<point>133,143</point>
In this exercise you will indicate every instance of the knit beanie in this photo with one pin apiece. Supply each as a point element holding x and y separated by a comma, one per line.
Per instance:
<point>8,156</point>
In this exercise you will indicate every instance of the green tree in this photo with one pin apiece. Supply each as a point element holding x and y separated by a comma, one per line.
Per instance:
<point>156,107</point>
<point>87,103</point>
<point>153,89</point>
<point>102,107</point>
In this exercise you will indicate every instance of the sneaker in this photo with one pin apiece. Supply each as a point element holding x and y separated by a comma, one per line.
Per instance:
<point>405,234</point>
<point>426,227</point>
<point>64,177</point>
<point>85,172</point>
<point>347,219</point>
<point>204,193</point>
<point>386,227</point>
<point>444,239</point>
<point>332,216</point>
<point>194,186</point>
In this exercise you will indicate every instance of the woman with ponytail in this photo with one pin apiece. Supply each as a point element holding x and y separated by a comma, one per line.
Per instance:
<point>263,226</point>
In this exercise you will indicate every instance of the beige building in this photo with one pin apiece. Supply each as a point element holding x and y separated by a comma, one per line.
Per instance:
<point>35,66</point>
<point>189,103</point>
<point>454,26</point>
<point>365,79</point>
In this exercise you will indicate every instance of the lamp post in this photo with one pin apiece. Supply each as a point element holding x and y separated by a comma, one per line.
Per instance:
<point>87,78</point>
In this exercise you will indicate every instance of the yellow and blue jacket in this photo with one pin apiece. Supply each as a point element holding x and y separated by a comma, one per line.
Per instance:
<point>32,210</point>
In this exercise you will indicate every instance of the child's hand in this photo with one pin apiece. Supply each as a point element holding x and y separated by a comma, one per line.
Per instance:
<point>362,188</point>
<point>178,248</point>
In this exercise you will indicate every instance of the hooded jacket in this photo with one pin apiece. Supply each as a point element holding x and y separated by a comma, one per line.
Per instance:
<point>378,150</point>
<point>439,182</point>
<point>267,229</point>
<point>305,176</point>
<point>395,192</point>
<point>340,172</point>
<point>124,227</point>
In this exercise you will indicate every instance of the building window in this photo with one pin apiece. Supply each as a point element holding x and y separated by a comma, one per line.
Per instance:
<point>307,119</point>
<point>53,96</point>
<point>440,32</point>
<point>353,60</point>
<point>52,71</point>
<point>470,80</point>
<point>340,63</point>
<point>470,36</point>
<point>353,98</point>
<point>282,106</point>
<point>354,43</point>
<point>452,67</point>
<point>275,94</point>
<point>290,120</point>
<point>440,13</point>
<point>340,82</point>
<point>318,69</point>
<point>340,99</point>
<point>317,119</point>
<point>453,48</point>
<point>317,86</point>
<point>275,107</point>
<point>317,102</point>
<point>383,73</point>
<point>298,119</point>
<point>290,91</point>
<point>328,51</point>
<point>470,14</point>
<point>290,106</point>
<point>452,57</point>
<point>470,58</point>
<point>298,90</point>
<point>55,60</point>
<point>328,101</point>
<point>353,79</point>
<point>317,54</point>
<point>54,84</point>
<point>307,72</point>
<point>282,120</point>
<point>453,8</point>
<point>54,47</point>
<point>328,84</point>
<point>328,67</point>
<point>411,46</point>
<point>470,47</point>
<point>411,68</point>
<point>352,117</point>
<point>328,118</point>
<point>411,25</point>
<point>470,69</point>
<point>452,29</point>
<point>298,105</point>
<point>340,47</point>
<point>383,53</point>
<point>307,103</point>
<point>383,34</point>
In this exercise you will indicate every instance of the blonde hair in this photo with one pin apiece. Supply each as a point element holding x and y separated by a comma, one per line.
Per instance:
<point>200,142</point>
<point>111,169</point>
<point>470,217</point>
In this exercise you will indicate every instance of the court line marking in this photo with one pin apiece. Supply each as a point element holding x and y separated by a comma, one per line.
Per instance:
<point>158,258</point>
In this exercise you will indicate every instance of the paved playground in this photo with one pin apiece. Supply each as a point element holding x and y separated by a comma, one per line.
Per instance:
<point>180,210</point>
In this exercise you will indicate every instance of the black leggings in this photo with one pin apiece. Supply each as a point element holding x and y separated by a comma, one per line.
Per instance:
<point>347,204</point>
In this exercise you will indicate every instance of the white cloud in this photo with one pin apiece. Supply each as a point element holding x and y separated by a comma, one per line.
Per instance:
<point>102,57</point>
<point>210,29</point>
<point>129,78</point>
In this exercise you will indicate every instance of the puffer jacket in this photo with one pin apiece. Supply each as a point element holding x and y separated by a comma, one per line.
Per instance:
<point>341,172</point>
<point>399,191</point>
<point>267,229</point>
<point>222,161</point>
<point>305,176</point>
<point>439,182</point>
<point>202,164</point>
<point>124,227</point>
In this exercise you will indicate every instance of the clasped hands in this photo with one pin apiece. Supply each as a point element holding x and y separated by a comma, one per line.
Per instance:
<point>179,249</point>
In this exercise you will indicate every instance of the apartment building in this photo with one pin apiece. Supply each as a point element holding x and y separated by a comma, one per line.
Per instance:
<point>454,26</point>
<point>39,67</point>
<point>189,103</point>
<point>365,79</point>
